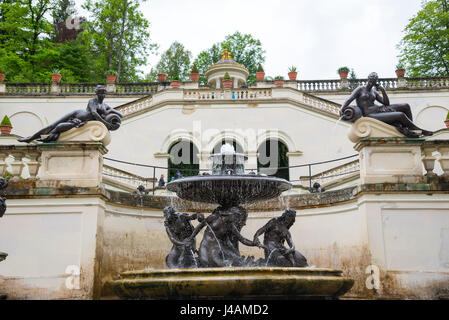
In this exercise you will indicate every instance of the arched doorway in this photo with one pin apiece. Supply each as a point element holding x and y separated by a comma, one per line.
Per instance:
<point>273,155</point>
<point>183,158</point>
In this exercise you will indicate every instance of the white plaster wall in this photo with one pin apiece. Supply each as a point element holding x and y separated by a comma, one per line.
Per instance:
<point>409,242</point>
<point>43,237</point>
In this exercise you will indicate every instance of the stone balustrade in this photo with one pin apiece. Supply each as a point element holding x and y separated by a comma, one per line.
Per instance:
<point>336,174</point>
<point>75,89</point>
<point>234,94</point>
<point>322,104</point>
<point>125,179</point>
<point>135,107</point>
<point>435,151</point>
<point>19,161</point>
<point>206,93</point>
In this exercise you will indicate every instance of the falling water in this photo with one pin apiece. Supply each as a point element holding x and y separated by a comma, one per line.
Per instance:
<point>194,259</point>
<point>269,256</point>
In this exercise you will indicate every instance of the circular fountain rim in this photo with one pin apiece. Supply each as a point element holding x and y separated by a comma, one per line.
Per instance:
<point>224,177</point>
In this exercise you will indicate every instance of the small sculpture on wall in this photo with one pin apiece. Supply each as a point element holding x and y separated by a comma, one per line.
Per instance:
<point>96,110</point>
<point>398,115</point>
<point>276,232</point>
<point>179,228</point>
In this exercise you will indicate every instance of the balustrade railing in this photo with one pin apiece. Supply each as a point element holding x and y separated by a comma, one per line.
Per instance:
<point>141,88</point>
<point>205,93</point>
<point>130,180</point>
<point>322,104</point>
<point>135,107</point>
<point>335,174</point>
<point>19,161</point>
<point>23,161</point>
<point>27,88</point>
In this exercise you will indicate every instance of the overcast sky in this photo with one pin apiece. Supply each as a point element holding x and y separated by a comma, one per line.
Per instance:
<point>316,36</point>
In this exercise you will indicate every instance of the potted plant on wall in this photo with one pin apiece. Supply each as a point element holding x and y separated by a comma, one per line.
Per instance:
<point>343,72</point>
<point>400,70</point>
<point>279,81</point>
<point>194,73</point>
<point>2,75</point>
<point>292,74</point>
<point>5,125</point>
<point>175,82</point>
<point>162,77</point>
<point>111,76</point>
<point>56,75</point>
<point>260,73</point>
<point>446,122</point>
<point>227,82</point>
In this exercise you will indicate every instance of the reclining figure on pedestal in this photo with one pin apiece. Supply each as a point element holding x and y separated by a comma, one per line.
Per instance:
<point>96,110</point>
<point>398,115</point>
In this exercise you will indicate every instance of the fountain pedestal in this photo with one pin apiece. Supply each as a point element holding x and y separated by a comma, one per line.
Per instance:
<point>233,283</point>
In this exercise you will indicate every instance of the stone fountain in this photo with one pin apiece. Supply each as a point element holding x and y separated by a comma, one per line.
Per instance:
<point>217,270</point>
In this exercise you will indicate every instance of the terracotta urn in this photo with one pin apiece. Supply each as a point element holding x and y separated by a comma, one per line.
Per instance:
<point>195,77</point>
<point>400,73</point>
<point>4,129</point>
<point>343,74</point>
<point>110,78</point>
<point>56,77</point>
<point>2,77</point>
<point>279,82</point>
<point>175,83</point>
<point>260,76</point>
<point>162,77</point>
<point>227,84</point>
<point>292,75</point>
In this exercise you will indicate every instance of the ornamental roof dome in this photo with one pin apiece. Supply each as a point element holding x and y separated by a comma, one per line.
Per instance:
<point>226,60</point>
<point>215,73</point>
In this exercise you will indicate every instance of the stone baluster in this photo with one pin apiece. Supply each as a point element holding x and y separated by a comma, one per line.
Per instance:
<point>3,164</point>
<point>17,164</point>
<point>429,160</point>
<point>33,163</point>
<point>444,159</point>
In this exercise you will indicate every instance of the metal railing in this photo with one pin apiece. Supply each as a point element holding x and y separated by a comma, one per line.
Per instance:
<point>310,166</point>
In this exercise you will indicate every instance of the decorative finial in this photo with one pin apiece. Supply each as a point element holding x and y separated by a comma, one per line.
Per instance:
<point>226,55</point>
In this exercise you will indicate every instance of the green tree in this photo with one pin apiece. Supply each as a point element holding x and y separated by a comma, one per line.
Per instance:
<point>425,46</point>
<point>24,37</point>
<point>244,48</point>
<point>175,62</point>
<point>118,37</point>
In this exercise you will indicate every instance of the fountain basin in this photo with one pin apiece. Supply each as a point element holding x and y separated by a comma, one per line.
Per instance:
<point>232,283</point>
<point>229,189</point>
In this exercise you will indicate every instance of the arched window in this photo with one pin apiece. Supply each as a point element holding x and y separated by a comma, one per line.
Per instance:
<point>183,158</point>
<point>237,147</point>
<point>273,155</point>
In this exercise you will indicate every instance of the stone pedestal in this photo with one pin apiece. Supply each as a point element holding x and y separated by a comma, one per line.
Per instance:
<point>390,160</point>
<point>93,131</point>
<point>367,127</point>
<point>71,164</point>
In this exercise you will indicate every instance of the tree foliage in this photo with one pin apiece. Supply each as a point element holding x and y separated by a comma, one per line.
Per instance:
<point>118,37</point>
<point>175,62</point>
<point>425,46</point>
